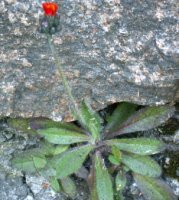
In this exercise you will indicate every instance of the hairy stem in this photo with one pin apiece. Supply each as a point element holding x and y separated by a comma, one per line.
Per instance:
<point>72,103</point>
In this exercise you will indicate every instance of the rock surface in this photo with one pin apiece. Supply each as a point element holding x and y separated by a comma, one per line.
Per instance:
<point>111,51</point>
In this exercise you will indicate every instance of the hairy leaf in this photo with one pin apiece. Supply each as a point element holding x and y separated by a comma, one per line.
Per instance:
<point>93,194</point>
<point>82,173</point>
<point>142,165</point>
<point>48,171</point>
<point>103,180</point>
<point>39,161</point>
<point>154,188</point>
<point>70,161</point>
<point>145,119</point>
<point>30,160</point>
<point>62,136</point>
<point>60,149</point>
<point>141,146</point>
<point>120,183</point>
<point>120,114</point>
<point>33,152</point>
<point>120,180</point>
<point>69,187</point>
<point>115,158</point>
<point>91,181</point>
<point>55,184</point>
<point>51,149</point>
<point>43,123</point>
<point>119,196</point>
<point>91,120</point>
<point>24,163</point>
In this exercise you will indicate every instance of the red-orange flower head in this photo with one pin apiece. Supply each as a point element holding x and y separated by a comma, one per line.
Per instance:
<point>50,8</point>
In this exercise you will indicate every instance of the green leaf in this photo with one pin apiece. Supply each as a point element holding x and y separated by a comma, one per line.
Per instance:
<point>62,136</point>
<point>60,149</point>
<point>46,147</point>
<point>24,163</point>
<point>116,153</point>
<point>30,161</point>
<point>103,180</point>
<point>91,120</point>
<point>32,152</point>
<point>93,194</point>
<point>69,187</point>
<point>51,149</point>
<point>55,184</point>
<point>39,162</point>
<point>48,171</point>
<point>70,161</point>
<point>115,158</point>
<point>120,180</point>
<point>120,114</point>
<point>91,180</point>
<point>154,188</point>
<point>141,146</point>
<point>120,183</point>
<point>119,196</point>
<point>142,165</point>
<point>145,119</point>
<point>39,151</point>
<point>43,123</point>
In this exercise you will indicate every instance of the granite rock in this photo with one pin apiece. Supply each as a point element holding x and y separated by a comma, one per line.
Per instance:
<point>111,51</point>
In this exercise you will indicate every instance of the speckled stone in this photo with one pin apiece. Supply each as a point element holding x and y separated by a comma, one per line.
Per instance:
<point>111,51</point>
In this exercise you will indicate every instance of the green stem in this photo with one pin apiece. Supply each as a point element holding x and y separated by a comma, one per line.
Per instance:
<point>72,103</point>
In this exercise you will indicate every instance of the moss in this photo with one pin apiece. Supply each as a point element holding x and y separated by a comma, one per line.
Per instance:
<point>172,168</point>
<point>19,124</point>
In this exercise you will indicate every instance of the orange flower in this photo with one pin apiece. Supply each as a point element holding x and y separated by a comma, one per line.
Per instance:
<point>50,8</point>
